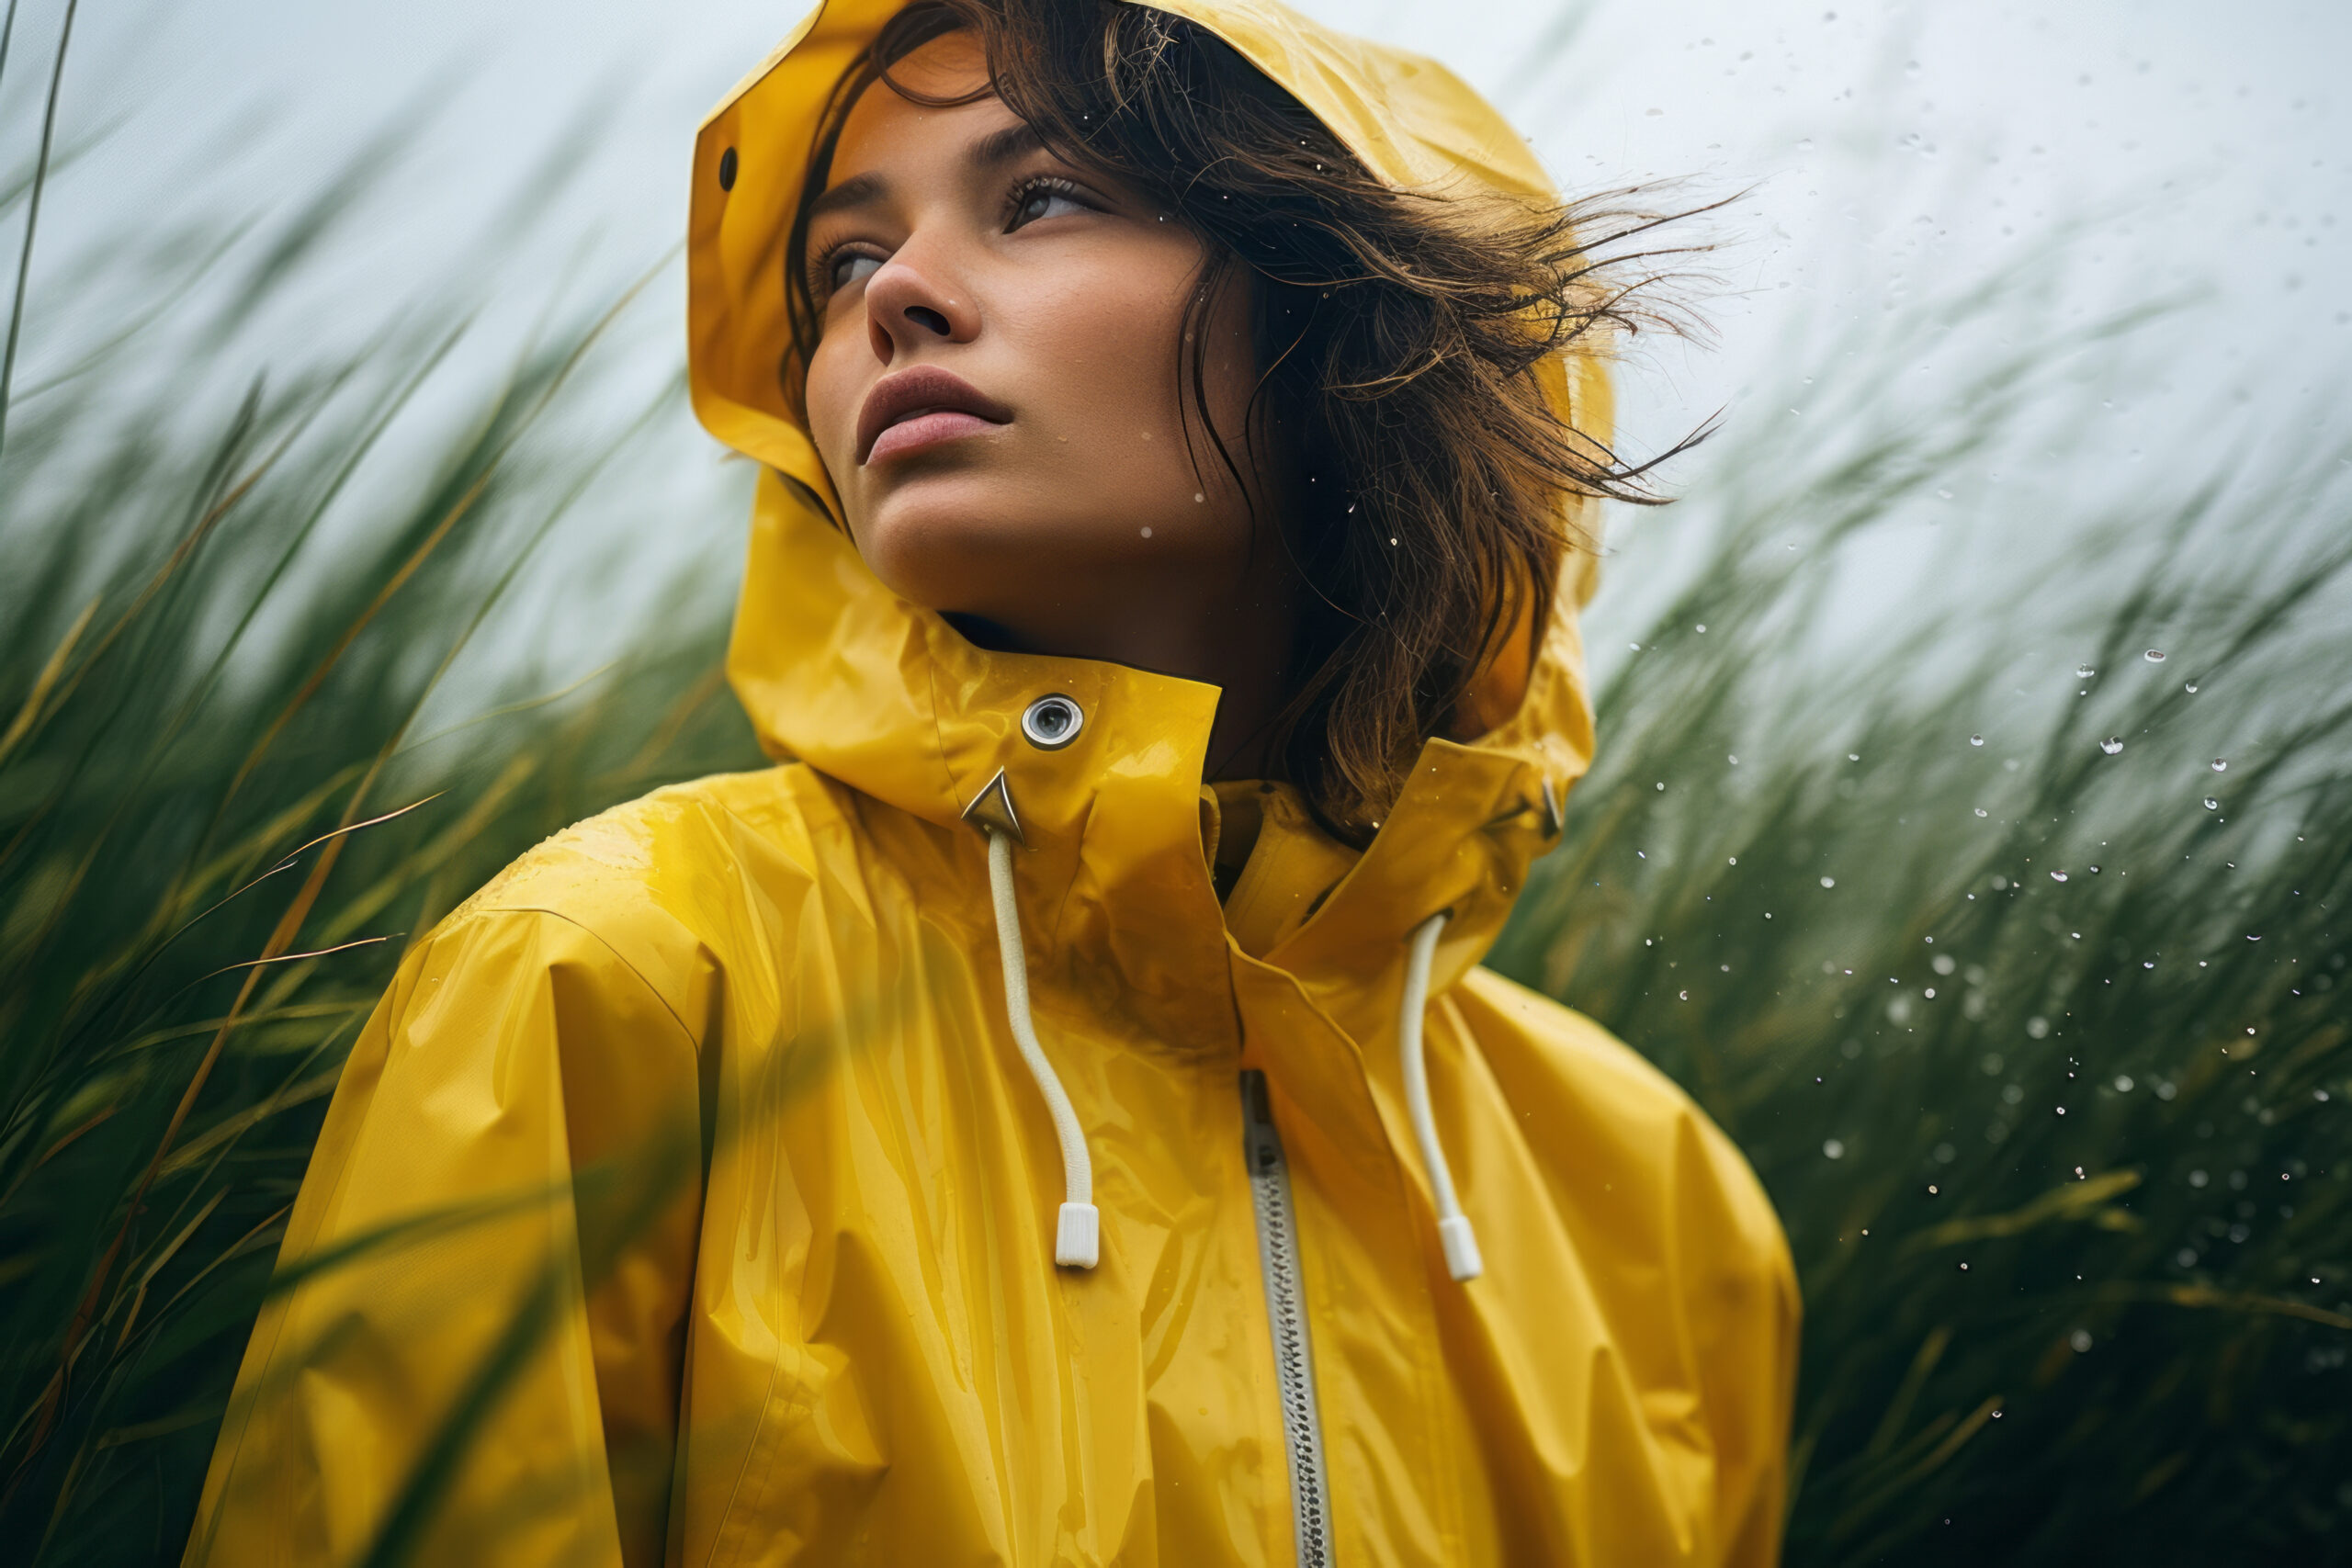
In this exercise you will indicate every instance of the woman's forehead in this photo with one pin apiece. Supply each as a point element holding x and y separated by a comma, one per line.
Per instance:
<point>948,67</point>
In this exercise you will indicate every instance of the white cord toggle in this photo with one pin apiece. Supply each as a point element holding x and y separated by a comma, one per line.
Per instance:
<point>1077,1228</point>
<point>1453,1233</point>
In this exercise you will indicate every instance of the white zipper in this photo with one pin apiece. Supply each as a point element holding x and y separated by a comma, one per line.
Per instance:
<point>1286,1316</point>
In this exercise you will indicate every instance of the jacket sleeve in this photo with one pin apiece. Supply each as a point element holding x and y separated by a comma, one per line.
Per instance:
<point>1745,1336</point>
<point>475,1339</point>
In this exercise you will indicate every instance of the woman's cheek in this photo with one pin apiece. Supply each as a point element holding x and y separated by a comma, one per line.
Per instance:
<point>830,417</point>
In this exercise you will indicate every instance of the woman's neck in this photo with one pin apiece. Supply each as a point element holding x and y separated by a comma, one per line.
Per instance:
<point>1238,637</point>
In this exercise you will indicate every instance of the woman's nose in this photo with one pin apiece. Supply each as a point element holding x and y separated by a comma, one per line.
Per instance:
<point>908,308</point>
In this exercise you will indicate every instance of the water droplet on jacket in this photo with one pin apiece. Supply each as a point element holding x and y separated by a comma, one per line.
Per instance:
<point>2155,656</point>
<point>1830,882</point>
<point>1980,811</point>
<point>1833,1148</point>
<point>2191,687</point>
<point>1683,994</point>
<point>1976,740</point>
<point>2084,672</point>
<point>2111,745</point>
<point>2057,877</point>
<point>2213,804</point>
<point>2220,764</point>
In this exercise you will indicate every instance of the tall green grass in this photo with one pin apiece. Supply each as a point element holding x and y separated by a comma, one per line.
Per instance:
<point>234,638</point>
<point>2005,933</point>
<point>270,703</point>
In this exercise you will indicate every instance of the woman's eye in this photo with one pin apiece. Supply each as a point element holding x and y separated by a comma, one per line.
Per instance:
<point>1042,201</point>
<point>851,266</point>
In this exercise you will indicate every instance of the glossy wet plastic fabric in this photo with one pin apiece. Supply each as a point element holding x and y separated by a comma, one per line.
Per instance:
<point>687,1201</point>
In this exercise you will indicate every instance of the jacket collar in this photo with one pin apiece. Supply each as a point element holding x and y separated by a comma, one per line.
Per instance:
<point>839,673</point>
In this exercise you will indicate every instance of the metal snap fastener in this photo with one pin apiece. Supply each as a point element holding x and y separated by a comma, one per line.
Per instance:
<point>727,170</point>
<point>1051,722</point>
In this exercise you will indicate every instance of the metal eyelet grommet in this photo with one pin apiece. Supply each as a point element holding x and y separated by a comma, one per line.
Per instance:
<point>1051,722</point>
<point>727,170</point>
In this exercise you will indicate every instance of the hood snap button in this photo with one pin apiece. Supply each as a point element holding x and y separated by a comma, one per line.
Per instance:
<point>1051,722</point>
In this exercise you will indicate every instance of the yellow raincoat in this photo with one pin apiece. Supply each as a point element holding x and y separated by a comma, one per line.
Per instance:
<point>692,1175</point>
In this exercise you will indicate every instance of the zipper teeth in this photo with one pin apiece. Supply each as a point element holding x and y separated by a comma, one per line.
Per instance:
<point>1286,1315</point>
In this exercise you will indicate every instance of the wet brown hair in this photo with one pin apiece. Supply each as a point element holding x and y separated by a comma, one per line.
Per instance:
<point>1398,336</point>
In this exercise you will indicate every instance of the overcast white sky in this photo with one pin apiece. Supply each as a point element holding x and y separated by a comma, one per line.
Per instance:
<point>1888,146</point>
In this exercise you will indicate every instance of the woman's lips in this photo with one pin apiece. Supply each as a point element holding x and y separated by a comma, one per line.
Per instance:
<point>917,431</point>
<point>922,406</point>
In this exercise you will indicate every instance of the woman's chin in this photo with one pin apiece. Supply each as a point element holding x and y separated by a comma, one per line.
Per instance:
<point>957,547</point>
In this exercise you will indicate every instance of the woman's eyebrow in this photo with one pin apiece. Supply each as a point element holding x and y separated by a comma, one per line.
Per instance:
<point>853,192</point>
<point>1006,145</point>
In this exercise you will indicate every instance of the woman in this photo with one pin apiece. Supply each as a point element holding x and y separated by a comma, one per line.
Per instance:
<point>1055,1115</point>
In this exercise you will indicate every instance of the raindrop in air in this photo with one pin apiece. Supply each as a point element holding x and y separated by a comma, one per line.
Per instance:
<point>1976,740</point>
<point>2213,804</point>
<point>2084,672</point>
<point>2111,745</point>
<point>2155,656</point>
<point>2220,764</point>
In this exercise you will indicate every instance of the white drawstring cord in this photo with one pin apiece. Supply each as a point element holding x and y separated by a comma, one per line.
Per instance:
<point>1078,1232</point>
<point>1454,1231</point>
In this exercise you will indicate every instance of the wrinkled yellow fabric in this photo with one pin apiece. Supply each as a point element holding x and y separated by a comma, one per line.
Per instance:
<point>690,1168</point>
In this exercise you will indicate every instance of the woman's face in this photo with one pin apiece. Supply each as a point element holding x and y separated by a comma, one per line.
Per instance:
<point>995,393</point>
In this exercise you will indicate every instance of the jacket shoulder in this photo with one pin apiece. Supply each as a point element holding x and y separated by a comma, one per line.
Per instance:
<point>660,880</point>
<point>1619,1119</point>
